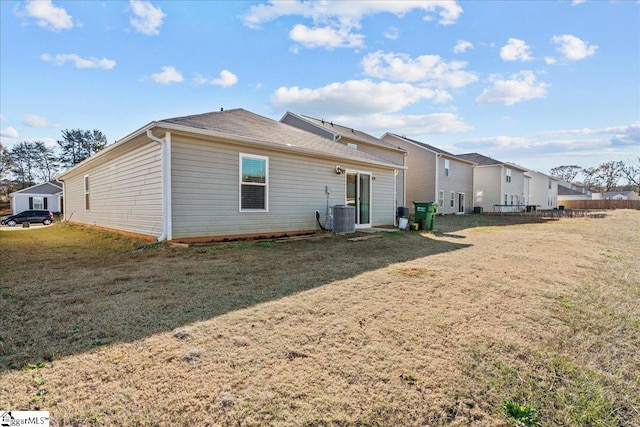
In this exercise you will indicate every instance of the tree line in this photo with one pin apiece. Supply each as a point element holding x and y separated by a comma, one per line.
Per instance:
<point>29,163</point>
<point>608,176</point>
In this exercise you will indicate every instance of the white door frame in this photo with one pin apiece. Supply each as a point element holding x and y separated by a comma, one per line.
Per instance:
<point>359,173</point>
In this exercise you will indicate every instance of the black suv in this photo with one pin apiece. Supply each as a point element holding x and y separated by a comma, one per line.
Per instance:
<point>44,217</point>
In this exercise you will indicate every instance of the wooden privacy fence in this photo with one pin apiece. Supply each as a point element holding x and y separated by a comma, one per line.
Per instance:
<point>600,204</point>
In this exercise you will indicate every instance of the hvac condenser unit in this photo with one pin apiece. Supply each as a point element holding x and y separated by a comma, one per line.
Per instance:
<point>344,219</point>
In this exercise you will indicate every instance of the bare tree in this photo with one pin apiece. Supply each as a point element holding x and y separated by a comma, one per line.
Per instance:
<point>603,178</point>
<point>630,171</point>
<point>565,173</point>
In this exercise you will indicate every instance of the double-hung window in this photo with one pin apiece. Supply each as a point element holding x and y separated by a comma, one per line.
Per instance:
<point>38,203</point>
<point>507,172</point>
<point>446,167</point>
<point>452,199</point>
<point>441,198</point>
<point>254,183</point>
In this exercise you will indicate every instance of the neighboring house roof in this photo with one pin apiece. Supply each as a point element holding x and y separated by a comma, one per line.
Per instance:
<point>51,187</point>
<point>630,195</point>
<point>347,132</point>
<point>566,191</point>
<point>242,126</point>
<point>482,160</point>
<point>431,148</point>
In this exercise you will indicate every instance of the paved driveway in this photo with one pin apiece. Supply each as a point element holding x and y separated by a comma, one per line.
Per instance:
<point>20,227</point>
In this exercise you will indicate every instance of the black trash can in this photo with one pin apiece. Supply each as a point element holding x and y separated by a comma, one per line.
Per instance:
<point>403,212</point>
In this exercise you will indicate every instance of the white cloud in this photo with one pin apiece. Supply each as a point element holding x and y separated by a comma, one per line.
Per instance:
<point>462,46</point>
<point>574,142</point>
<point>334,22</point>
<point>35,121</point>
<point>616,135</point>
<point>10,132</point>
<point>517,88</point>
<point>392,33</point>
<point>148,18</point>
<point>431,70</point>
<point>550,60</point>
<point>354,97</point>
<point>572,48</point>
<point>61,59</point>
<point>436,123</point>
<point>577,2</point>
<point>226,79</point>
<point>47,15</point>
<point>325,37</point>
<point>516,50</point>
<point>2,118</point>
<point>167,76</point>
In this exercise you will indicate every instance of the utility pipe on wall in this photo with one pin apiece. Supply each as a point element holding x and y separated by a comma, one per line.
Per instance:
<point>165,159</point>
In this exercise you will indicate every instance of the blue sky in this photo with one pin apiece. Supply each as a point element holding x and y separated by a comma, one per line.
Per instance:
<point>540,83</point>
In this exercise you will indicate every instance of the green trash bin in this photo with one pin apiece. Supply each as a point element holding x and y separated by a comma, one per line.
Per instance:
<point>424,213</point>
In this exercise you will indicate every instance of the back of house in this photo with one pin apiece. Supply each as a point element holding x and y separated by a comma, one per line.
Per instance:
<point>224,175</point>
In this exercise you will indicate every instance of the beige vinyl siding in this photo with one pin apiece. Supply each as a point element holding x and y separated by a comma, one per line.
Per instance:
<point>460,180</point>
<point>420,173</point>
<point>393,156</point>
<point>488,180</point>
<point>205,190</point>
<point>125,193</point>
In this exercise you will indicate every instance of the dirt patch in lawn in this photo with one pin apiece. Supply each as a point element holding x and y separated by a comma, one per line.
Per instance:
<point>443,328</point>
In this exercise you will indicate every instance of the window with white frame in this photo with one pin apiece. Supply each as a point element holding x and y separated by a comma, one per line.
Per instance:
<point>38,203</point>
<point>254,183</point>
<point>441,198</point>
<point>507,173</point>
<point>446,167</point>
<point>452,199</point>
<point>506,199</point>
<point>86,193</point>
<point>549,184</point>
<point>512,200</point>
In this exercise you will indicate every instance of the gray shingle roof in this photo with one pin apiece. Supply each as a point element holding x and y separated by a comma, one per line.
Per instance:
<point>51,187</point>
<point>480,159</point>
<point>243,123</point>
<point>430,147</point>
<point>350,133</point>
<point>565,191</point>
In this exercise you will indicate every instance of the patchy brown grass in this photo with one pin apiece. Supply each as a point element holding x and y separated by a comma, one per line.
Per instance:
<point>410,329</point>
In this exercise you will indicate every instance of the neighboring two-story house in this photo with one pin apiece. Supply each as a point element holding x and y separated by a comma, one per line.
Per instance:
<point>497,186</point>
<point>434,175</point>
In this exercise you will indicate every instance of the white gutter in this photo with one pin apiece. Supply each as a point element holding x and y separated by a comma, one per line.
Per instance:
<point>165,159</point>
<point>437,180</point>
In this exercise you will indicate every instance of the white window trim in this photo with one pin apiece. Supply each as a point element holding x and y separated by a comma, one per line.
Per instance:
<point>87,192</point>
<point>446,167</point>
<point>441,198</point>
<point>266,183</point>
<point>452,199</point>
<point>40,205</point>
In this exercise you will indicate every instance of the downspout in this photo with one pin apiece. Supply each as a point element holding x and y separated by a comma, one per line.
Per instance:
<point>438,180</point>
<point>165,159</point>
